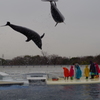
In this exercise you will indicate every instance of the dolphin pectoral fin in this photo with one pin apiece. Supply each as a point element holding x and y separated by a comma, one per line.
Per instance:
<point>42,35</point>
<point>28,39</point>
<point>56,24</point>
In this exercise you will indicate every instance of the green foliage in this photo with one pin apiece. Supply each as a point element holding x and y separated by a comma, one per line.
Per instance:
<point>49,60</point>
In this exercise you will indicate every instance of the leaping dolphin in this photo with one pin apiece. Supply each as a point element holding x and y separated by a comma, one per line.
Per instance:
<point>56,14</point>
<point>30,34</point>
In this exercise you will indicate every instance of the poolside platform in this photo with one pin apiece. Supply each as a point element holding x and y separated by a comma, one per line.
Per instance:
<point>61,81</point>
<point>10,83</point>
<point>36,78</point>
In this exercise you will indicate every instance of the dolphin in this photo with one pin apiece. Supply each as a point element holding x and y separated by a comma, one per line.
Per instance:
<point>56,14</point>
<point>30,34</point>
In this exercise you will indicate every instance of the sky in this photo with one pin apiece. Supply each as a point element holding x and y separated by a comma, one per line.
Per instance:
<point>78,36</point>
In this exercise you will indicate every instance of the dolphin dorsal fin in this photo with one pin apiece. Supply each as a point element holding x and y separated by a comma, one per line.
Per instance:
<point>42,35</point>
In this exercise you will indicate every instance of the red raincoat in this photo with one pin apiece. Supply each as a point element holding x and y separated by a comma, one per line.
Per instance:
<point>66,72</point>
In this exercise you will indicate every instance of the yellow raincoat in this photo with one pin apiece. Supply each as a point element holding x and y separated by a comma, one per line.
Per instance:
<point>86,71</point>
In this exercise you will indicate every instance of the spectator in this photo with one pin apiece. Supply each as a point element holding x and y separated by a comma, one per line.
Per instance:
<point>71,72</point>
<point>86,71</point>
<point>66,73</point>
<point>92,70</point>
<point>78,72</point>
<point>97,70</point>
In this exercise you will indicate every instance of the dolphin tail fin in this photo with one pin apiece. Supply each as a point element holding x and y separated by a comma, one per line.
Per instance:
<point>42,35</point>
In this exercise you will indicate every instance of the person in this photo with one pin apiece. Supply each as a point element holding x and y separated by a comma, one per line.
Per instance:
<point>66,73</point>
<point>86,71</point>
<point>78,72</point>
<point>97,70</point>
<point>76,64</point>
<point>92,70</point>
<point>71,72</point>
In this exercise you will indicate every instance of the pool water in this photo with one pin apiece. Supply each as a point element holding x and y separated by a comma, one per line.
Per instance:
<point>50,92</point>
<point>41,91</point>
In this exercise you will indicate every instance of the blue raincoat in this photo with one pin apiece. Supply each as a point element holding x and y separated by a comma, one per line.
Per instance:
<point>78,72</point>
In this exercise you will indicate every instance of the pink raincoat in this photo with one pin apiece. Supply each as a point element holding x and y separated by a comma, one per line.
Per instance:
<point>71,71</point>
<point>97,68</point>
